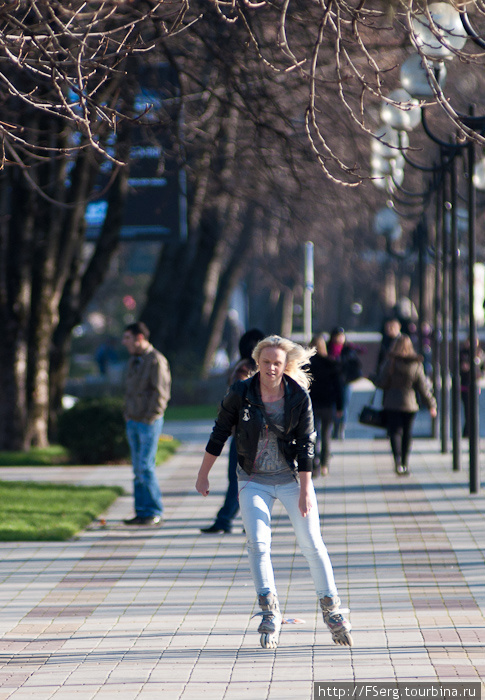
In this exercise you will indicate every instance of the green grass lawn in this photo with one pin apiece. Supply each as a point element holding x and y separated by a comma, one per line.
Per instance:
<point>32,511</point>
<point>49,512</point>
<point>166,448</point>
<point>35,457</point>
<point>55,455</point>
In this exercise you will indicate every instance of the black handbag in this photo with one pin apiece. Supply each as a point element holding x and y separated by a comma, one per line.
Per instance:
<point>372,415</point>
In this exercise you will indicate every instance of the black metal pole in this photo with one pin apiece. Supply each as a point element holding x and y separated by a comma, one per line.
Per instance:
<point>455,317</point>
<point>422,236</point>
<point>445,341</point>
<point>472,334</point>
<point>437,311</point>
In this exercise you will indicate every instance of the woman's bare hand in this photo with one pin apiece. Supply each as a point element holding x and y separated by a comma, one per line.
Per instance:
<point>202,485</point>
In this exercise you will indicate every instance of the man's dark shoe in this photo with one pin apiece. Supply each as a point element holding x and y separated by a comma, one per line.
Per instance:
<point>214,529</point>
<point>137,520</point>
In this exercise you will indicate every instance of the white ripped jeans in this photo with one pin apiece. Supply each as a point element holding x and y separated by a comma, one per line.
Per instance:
<point>256,502</point>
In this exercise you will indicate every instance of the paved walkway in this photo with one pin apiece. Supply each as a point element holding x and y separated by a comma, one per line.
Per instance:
<point>165,614</point>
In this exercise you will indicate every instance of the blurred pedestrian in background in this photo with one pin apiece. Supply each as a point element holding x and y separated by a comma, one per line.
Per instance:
<point>326,392</point>
<point>148,385</point>
<point>465,377</point>
<point>401,376</point>
<point>350,367</point>
<point>405,310</point>
<point>390,331</point>
<point>106,355</point>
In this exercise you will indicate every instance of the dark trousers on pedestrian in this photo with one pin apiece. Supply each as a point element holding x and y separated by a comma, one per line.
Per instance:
<point>324,419</point>
<point>340,423</point>
<point>229,510</point>
<point>465,398</point>
<point>400,430</point>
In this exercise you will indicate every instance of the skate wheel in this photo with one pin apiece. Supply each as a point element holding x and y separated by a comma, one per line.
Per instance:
<point>268,641</point>
<point>344,639</point>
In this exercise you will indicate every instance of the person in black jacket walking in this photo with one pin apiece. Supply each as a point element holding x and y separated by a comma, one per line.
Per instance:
<point>390,331</point>
<point>273,416</point>
<point>326,393</point>
<point>350,366</point>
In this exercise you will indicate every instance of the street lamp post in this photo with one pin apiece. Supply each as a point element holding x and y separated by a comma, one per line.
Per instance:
<point>438,34</point>
<point>437,336</point>
<point>448,153</point>
<point>441,320</point>
<point>476,182</point>
<point>455,320</point>
<point>445,315</point>
<point>472,334</point>
<point>446,288</point>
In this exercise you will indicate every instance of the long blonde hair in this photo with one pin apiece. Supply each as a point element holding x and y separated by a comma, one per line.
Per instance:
<point>297,357</point>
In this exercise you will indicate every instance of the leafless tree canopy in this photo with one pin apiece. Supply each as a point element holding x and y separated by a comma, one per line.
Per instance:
<point>266,110</point>
<point>60,57</point>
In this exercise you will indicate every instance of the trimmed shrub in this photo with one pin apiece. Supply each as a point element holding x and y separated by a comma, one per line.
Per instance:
<point>93,430</point>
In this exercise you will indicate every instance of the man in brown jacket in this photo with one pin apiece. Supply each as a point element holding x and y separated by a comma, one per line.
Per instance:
<point>148,383</point>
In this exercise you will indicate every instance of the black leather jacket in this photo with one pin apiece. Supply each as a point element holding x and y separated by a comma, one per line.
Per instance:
<point>243,407</point>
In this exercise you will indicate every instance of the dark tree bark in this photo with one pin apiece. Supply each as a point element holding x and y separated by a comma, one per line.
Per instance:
<point>45,286</point>
<point>15,291</point>
<point>231,276</point>
<point>173,311</point>
<point>81,286</point>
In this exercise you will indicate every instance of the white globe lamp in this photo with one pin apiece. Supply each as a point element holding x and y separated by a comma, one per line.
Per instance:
<point>403,112</point>
<point>479,175</point>
<point>441,37</point>
<point>415,78</point>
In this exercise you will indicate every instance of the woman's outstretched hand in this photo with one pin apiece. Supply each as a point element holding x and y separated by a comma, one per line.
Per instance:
<point>202,485</point>
<point>305,502</point>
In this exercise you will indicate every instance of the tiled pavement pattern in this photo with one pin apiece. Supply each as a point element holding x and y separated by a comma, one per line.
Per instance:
<point>165,613</point>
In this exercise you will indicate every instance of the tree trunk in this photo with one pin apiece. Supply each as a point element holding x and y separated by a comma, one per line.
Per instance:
<point>287,313</point>
<point>13,408</point>
<point>227,284</point>
<point>52,253</point>
<point>39,347</point>
<point>79,288</point>
<point>16,247</point>
<point>173,311</point>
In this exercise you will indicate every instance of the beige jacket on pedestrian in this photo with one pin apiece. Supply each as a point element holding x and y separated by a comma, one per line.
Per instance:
<point>401,378</point>
<point>148,385</point>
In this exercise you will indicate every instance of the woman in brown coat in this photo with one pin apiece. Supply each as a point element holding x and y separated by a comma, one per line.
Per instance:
<point>401,376</point>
